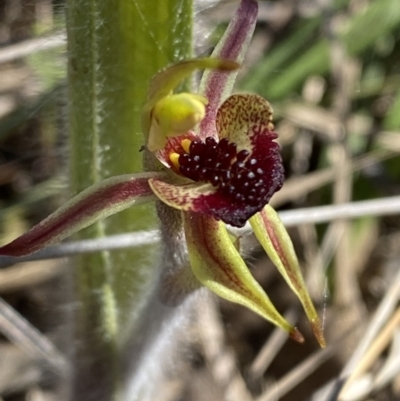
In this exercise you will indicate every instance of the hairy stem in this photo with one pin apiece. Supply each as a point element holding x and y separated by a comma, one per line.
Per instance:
<point>114,48</point>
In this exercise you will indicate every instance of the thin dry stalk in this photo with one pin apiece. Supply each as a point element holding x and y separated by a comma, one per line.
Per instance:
<point>344,75</point>
<point>26,275</point>
<point>300,186</point>
<point>220,359</point>
<point>24,335</point>
<point>382,314</point>
<point>391,368</point>
<point>320,214</point>
<point>32,46</point>
<point>302,370</point>
<point>271,348</point>
<point>369,358</point>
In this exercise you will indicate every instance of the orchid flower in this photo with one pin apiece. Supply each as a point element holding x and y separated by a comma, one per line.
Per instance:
<point>214,159</point>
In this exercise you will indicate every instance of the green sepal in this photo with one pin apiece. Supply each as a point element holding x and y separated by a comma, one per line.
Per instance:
<point>218,265</point>
<point>272,234</point>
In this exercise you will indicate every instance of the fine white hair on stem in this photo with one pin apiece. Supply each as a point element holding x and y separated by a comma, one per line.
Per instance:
<point>165,337</point>
<point>20,332</point>
<point>321,214</point>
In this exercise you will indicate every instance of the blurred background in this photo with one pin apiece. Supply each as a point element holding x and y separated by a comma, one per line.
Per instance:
<point>331,70</point>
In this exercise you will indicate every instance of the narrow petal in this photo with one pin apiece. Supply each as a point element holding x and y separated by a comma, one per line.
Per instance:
<point>274,238</point>
<point>217,264</point>
<point>95,203</point>
<point>181,197</point>
<point>216,85</point>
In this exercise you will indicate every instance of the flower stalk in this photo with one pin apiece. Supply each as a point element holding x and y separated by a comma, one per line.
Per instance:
<point>114,48</point>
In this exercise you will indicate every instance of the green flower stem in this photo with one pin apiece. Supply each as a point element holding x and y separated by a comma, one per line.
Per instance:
<point>114,48</point>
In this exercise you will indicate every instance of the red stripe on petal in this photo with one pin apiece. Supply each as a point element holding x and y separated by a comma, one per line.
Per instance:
<point>93,204</point>
<point>204,233</point>
<point>217,85</point>
<point>217,264</point>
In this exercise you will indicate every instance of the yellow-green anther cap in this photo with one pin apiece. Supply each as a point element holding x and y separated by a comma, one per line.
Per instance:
<point>179,110</point>
<point>174,115</point>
